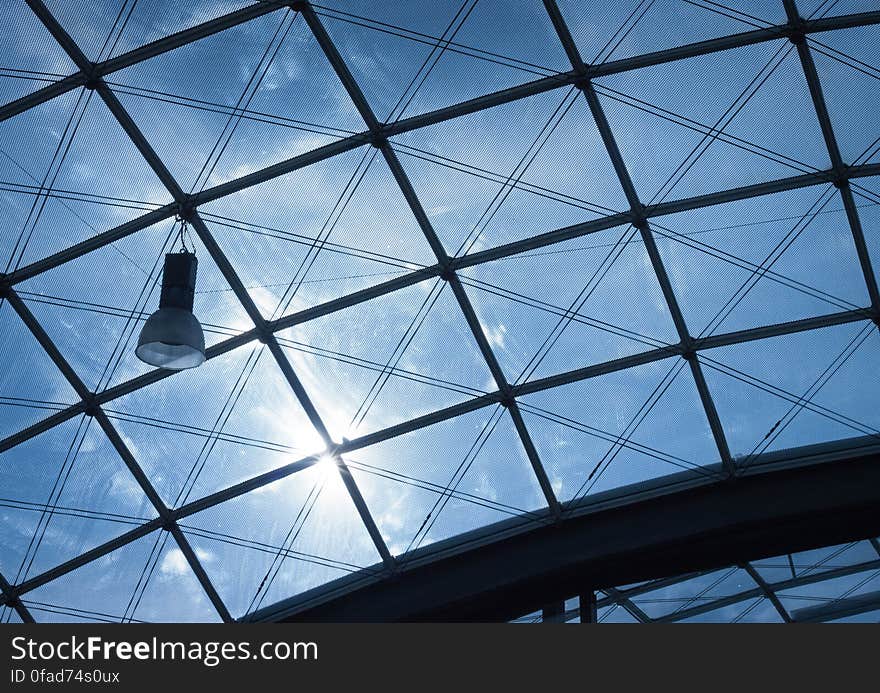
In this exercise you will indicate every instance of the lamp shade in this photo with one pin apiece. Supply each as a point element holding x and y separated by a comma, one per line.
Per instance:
<point>172,336</point>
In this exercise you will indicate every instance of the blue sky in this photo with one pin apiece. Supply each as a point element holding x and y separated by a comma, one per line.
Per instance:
<point>410,352</point>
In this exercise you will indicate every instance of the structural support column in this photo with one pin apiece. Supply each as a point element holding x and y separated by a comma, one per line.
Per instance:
<point>587,606</point>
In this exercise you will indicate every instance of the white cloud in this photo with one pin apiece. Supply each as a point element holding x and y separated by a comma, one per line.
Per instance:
<point>174,564</point>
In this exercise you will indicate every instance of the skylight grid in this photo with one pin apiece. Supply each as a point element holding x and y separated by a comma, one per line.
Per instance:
<point>452,267</point>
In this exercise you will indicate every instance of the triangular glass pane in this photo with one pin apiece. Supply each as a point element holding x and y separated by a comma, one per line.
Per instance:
<point>92,26</point>
<point>615,614</point>
<point>526,35</point>
<point>173,584</point>
<point>31,386</point>
<point>522,302</point>
<point>833,557</point>
<point>631,28</point>
<point>314,250</point>
<point>756,388</point>
<point>711,255</point>
<point>29,57</point>
<point>281,539</point>
<point>448,478</point>
<point>100,181</point>
<point>449,164</point>
<point>198,431</point>
<point>760,610</point>
<point>104,589</point>
<point>91,496</point>
<point>826,592</point>
<point>575,429</point>
<point>27,472</point>
<point>377,363</point>
<point>846,65</point>
<point>773,134</point>
<point>150,21</point>
<point>499,49</point>
<point>208,79</point>
<point>93,307</point>
<point>693,592</point>
<point>26,155</point>
<point>547,197</point>
<point>9,615</point>
<point>385,61</point>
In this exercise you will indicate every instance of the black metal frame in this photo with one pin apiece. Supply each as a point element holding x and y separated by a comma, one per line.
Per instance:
<point>700,529</point>
<point>91,76</point>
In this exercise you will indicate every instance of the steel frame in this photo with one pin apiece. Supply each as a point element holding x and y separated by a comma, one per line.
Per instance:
<point>91,75</point>
<point>681,532</point>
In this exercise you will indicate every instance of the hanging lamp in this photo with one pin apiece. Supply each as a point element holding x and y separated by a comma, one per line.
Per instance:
<point>172,337</point>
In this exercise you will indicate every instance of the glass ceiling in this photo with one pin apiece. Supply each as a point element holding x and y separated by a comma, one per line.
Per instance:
<point>834,584</point>
<point>458,262</point>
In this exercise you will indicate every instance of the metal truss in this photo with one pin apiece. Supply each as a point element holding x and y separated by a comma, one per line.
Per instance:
<point>92,76</point>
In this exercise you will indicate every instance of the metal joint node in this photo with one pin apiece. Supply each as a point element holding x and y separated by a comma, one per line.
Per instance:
<point>5,286</point>
<point>91,408</point>
<point>447,273</point>
<point>168,523</point>
<point>583,82</point>
<point>93,79</point>
<point>840,180</point>
<point>378,139</point>
<point>264,335</point>
<point>297,5</point>
<point>796,33</point>
<point>640,219</point>
<point>186,210</point>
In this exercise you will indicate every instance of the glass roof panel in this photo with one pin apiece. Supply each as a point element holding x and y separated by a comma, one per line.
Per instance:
<point>667,601</point>
<point>110,587</point>
<point>215,103</point>
<point>781,568</point>
<point>171,582</point>
<point>518,178</point>
<point>374,365</point>
<point>765,405</point>
<point>615,614</point>
<point>27,395</point>
<point>522,173</point>
<point>347,228</point>
<point>78,496</point>
<point>29,57</point>
<point>571,305</point>
<point>281,539</point>
<point>631,28</point>
<point>827,592</point>
<point>8,615</point>
<point>146,22</point>
<point>758,610</point>
<point>445,479</point>
<point>762,261</point>
<point>493,49</point>
<point>411,62</point>
<point>251,422</point>
<point>759,123</point>
<point>849,74</point>
<point>63,189</point>
<point>623,428</point>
